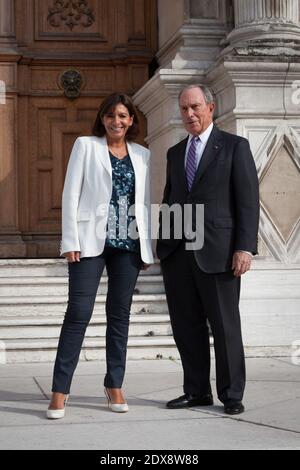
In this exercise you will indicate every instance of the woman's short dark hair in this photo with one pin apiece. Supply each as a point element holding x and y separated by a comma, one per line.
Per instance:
<point>109,104</point>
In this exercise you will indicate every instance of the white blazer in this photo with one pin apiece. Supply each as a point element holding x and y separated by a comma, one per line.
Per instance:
<point>87,195</point>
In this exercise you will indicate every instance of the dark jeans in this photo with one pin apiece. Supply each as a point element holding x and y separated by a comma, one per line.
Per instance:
<point>122,269</point>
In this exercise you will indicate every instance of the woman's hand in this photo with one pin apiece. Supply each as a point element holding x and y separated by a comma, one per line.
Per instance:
<point>145,266</point>
<point>72,256</point>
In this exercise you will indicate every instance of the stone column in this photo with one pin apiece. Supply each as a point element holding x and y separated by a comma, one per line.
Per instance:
<point>264,20</point>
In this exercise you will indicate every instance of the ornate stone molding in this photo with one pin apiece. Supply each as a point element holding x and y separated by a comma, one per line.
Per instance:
<point>191,35</point>
<point>70,13</point>
<point>279,172</point>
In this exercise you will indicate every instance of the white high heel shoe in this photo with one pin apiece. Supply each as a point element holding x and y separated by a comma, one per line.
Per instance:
<point>58,414</point>
<point>116,407</point>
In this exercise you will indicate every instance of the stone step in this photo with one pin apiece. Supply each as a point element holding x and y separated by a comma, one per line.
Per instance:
<point>22,350</point>
<point>42,327</point>
<point>49,267</point>
<point>56,305</point>
<point>33,301</point>
<point>156,303</point>
<point>58,286</point>
<point>255,285</point>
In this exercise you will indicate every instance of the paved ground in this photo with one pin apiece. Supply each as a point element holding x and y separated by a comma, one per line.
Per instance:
<point>271,420</point>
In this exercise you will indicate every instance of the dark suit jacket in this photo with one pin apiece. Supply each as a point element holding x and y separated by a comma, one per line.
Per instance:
<point>226,183</point>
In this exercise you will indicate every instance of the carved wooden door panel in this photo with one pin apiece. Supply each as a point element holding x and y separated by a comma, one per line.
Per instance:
<point>54,125</point>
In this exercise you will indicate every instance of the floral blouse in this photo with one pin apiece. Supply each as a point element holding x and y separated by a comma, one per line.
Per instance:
<point>121,227</point>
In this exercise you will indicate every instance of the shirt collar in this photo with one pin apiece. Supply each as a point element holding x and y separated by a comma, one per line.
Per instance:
<point>205,135</point>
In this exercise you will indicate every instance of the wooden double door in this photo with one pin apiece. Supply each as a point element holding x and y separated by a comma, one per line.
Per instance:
<point>58,60</point>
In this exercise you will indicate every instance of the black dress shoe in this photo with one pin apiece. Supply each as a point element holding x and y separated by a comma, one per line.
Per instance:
<point>234,407</point>
<point>187,400</point>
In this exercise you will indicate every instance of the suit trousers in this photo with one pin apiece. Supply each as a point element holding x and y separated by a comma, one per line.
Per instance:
<point>122,270</point>
<point>194,299</point>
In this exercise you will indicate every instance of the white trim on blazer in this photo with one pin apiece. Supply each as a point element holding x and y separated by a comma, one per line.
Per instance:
<point>87,194</point>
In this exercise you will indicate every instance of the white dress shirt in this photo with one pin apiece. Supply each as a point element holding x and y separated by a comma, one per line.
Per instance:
<point>200,144</point>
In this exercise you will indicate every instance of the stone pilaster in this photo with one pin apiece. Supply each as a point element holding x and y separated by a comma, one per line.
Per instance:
<point>190,37</point>
<point>191,32</point>
<point>158,100</point>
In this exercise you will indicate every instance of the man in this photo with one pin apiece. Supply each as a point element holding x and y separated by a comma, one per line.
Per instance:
<point>216,169</point>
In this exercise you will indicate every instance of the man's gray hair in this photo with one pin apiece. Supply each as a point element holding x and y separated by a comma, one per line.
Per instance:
<point>207,92</point>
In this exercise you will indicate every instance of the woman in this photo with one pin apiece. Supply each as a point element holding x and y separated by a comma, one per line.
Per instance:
<point>107,174</point>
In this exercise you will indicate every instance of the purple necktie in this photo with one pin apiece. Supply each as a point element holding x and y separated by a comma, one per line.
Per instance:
<point>191,162</point>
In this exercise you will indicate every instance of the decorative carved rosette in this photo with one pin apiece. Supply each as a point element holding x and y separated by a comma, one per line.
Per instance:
<point>71,13</point>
